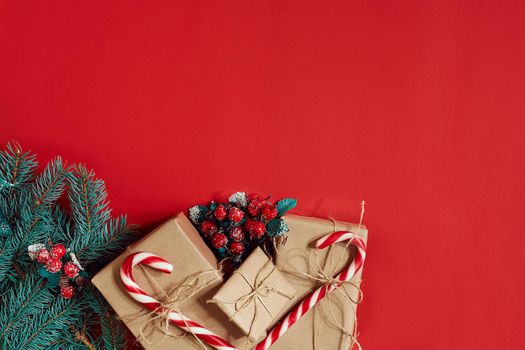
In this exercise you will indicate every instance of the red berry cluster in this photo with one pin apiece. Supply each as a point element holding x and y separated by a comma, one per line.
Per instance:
<point>52,261</point>
<point>236,228</point>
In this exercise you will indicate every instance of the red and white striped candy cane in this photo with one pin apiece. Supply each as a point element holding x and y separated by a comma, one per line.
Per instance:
<point>175,318</point>
<point>310,301</point>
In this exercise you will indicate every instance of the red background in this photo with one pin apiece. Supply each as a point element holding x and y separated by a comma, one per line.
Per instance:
<point>416,107</point>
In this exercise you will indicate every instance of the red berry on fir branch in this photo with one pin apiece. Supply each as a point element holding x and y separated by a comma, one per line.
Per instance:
<point>67,292</point>
<point>269,212</point>
<point>219,240</point>
<point>237,248</point>
<point>220,212</point>
<point>248,224</point>
<point>42,256</point>
<point>235,214</point>
<point>57,251</point>
<point>253,210</point>
<point>257,229</point>
<point>237,234</point>
<point>53,265</point>
<point>255,205</point>
<point>70,270</point>
<point>208,228</point>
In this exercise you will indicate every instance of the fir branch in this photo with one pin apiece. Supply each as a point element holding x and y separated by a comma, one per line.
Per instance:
<point>113,332</point>
<point>32,315</point>
<point>89,208</point>
<point>28,297</point>
<point>45,190</point>
<point>50,185</point>
<point>115,237</point>
<point>16,166</point>
<point>47,325</point>
<point>81,336</point>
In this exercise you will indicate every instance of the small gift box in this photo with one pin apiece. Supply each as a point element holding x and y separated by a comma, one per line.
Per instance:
<point>256,296</point>
<point>180,244</point>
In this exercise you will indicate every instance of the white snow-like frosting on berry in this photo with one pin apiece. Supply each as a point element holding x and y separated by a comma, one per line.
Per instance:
<point>75,261</point>
<point>194,214</point>
<point>33,250</point>
<point>240,199</point>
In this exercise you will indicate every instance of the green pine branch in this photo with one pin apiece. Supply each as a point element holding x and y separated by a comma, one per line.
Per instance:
<point>28,297</point>
<point>33,316</point>
<point>47,326</point>
<point>113,331</point>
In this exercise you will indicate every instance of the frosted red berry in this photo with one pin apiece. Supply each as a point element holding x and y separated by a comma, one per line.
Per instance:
<point>248,224</point>
<point>269,212</point>
<point>237,248</point>
<point>257,229</point>
<point>219,240</point>
<point>255,205</point>
<point>42,256</point>
<point>235,214</point>
<point>208,228</point>
<point>237,234</point>
<point>253,210</point>
<point>70,270</point>
<point>57,251</point>
<point>220,212</point>
<point>53,265</point>
<point>67,292</point>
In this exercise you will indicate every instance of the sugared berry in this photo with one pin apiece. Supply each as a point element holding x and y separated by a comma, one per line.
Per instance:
<point>220,212</point>
<point>219,240</point>
<point>237,234</point>
<point>255,205</point>
<point>208,228</point>
<point>256,229</point>
<point>235,214</point>
<point>269,212</point>
<point>42,256</point>
<point>253,210</point>
<point>70,270</point>
<point>53,265</point>
<point>67,292</point>
<point>57,251</point>
<point>237,248</point>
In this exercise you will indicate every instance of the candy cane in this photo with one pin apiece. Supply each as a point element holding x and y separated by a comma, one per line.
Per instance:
<point>175,318</point>
<point>310,301</point>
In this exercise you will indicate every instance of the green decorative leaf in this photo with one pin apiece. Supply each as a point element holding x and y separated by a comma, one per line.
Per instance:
<point>222,252</point>
<point>277,227</point>
<point>213,206</point>
<point>225,224</point>
<point>52,278</point>
<point>285,205</point>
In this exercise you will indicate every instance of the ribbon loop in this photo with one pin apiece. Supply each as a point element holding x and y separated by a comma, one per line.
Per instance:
<point>168,312</point>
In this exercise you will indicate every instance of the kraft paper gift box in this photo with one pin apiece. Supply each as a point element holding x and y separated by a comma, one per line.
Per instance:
<point>178,242</point>
<point>256,296</point>
<point>316,330</point>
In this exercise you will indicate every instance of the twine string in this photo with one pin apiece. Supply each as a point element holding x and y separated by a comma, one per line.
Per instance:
<point>259,289</point>
<point>172,300</point>
<point>326,277</point>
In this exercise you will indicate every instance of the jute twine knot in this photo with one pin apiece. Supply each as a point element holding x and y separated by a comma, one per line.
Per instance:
<point>325,276</point>
<point>259,289</point>
<point>170,301</point>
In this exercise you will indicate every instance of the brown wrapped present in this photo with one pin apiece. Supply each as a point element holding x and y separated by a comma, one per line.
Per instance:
<point>178,242</point>
<point>330,323</point>
<point>256,296</point>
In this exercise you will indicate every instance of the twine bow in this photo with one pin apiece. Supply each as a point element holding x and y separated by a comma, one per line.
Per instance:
<point>172,300</point>
<point>259,289</point>
<point>324,276</point>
